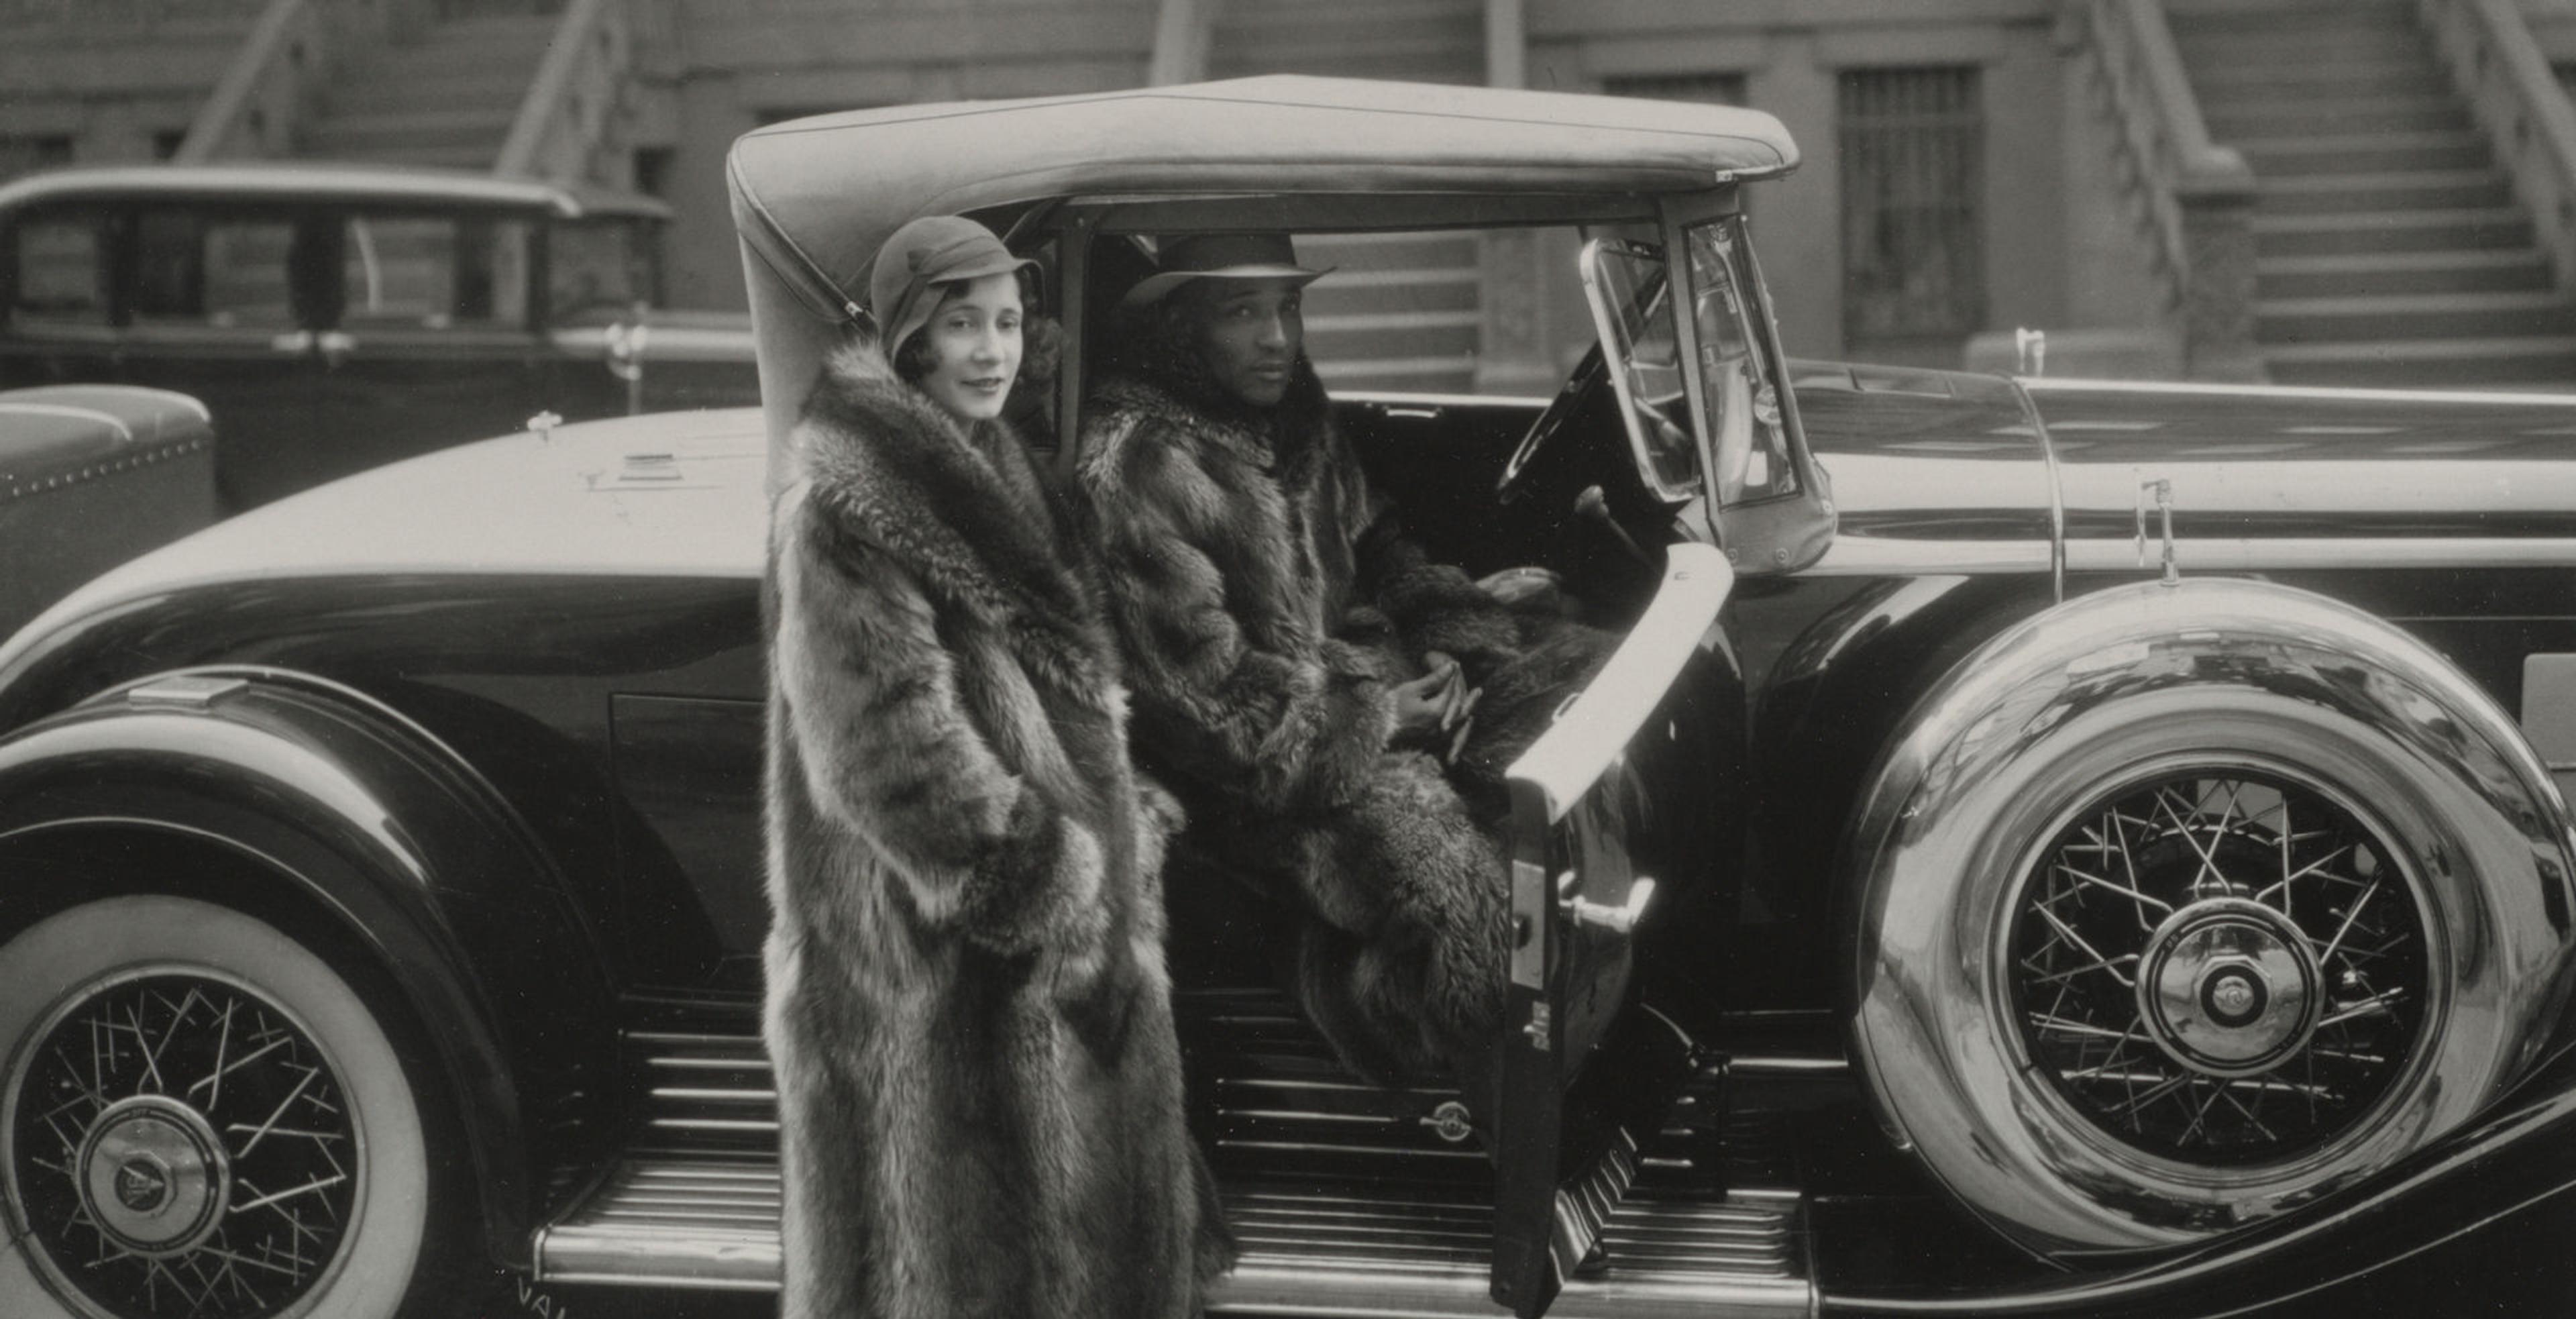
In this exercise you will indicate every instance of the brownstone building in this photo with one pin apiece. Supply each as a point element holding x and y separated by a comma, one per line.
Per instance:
<point>2363,191</point>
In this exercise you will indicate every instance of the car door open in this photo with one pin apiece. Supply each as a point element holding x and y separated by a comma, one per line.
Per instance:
<point>1593,812</point>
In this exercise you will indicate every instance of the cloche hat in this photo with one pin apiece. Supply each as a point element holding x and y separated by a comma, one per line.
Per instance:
<point>932,250</point>
<point>1220,256</point>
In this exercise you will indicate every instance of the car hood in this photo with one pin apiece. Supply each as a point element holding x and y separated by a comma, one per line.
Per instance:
<point>1945,471</point>
<point>671,495</point>
<point>2255,471</point>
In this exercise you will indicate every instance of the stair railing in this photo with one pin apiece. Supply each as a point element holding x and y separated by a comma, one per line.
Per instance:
<point>1183,32</point>
<point>274,80</point>
<point>262,98</point>
<point>2198,196</point>
<point>573,108</point>
<point>2496,63</point>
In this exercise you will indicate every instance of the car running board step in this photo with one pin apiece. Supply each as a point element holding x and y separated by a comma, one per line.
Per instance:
<point>687,1221</point>
<point>1342,1195</point>
<point>1728,1256</point>
<point>699,1221</point>
<point>1700,1233</point>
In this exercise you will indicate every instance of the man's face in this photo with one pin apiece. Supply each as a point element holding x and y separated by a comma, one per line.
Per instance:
<point>1249,331</point>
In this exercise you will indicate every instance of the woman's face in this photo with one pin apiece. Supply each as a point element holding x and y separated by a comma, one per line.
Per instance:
<point>1249,332</point>
<point>974,343</point>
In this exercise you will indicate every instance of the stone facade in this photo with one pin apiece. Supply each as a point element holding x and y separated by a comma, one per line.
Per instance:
<point>99,80</point>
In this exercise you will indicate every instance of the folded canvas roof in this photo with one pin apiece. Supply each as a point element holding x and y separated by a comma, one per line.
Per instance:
<point>813,198</point>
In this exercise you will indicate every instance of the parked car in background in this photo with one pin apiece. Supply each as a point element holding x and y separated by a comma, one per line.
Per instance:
<point>90,476</point>
<point>335,317</point>
<point>2104,847</point>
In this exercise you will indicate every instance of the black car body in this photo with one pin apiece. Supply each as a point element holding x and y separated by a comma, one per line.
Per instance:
<point>334,317</point>
<point>2105,851</point>
<point>90,476</point>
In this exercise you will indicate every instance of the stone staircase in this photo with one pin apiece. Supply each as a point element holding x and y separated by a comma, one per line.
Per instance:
<point>444,97</point>
<point>1400,311</point>
<point>2389,247</point>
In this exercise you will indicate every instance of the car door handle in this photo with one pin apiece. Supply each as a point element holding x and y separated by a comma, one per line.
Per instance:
<point>1620,920</point>
<point>294,342</point>
<point>336,345</point>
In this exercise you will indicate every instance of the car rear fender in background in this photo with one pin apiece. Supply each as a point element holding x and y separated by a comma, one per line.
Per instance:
<point>90,476</point>
<point>2004,753</point>
<point>351,811</point>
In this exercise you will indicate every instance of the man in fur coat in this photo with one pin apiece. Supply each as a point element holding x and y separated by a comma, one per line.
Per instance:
<point>979,1086</point>
<point>1293,657</point>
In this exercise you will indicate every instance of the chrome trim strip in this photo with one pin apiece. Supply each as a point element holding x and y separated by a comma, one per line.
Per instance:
<point>1573,754</point>
<point>2251,554</point>
<point>1873,556</point>
<point>1765,1064</point>
<point>1882,556</point>
<point>2069,384</point>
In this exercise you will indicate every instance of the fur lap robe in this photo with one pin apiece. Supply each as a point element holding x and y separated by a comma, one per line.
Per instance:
<point>979,1087</point>
<point>1246,561</point>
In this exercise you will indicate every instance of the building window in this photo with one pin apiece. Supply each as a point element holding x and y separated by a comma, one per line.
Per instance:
<point>1706,88</point>
<point>1913,150</point>
<point>22,153</point>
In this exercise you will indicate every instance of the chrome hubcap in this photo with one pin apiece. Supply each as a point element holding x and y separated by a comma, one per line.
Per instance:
<point>2223,968</point>
<point>154,1177</point>
<point>180,1148</point>
<point>2228,987</point>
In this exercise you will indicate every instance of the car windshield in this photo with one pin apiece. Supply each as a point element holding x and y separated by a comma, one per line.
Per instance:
<point>1752,443</point>
<point>1625,283</point>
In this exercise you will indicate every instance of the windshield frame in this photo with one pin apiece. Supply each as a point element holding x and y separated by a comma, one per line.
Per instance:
<point>1610,315</point>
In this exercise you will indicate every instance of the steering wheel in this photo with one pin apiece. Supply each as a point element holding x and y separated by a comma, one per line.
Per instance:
<point>1560,411</point>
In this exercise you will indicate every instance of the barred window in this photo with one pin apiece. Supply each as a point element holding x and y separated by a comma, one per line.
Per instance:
<point>1913,146</point>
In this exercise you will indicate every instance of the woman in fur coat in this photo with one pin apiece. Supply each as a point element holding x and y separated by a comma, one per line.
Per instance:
<point>979,1088</point>
<point>1295,660</point>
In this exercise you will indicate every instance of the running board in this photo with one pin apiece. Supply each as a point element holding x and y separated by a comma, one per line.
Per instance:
<point>695,1221</point>
<point>712,1224</point>
<point>1343,1196</point>
<point>1695,1235</point>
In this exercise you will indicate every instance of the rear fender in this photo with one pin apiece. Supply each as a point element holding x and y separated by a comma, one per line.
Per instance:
<point>367,819</point>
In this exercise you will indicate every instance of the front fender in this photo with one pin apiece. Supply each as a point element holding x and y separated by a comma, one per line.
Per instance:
<point>365,817</point>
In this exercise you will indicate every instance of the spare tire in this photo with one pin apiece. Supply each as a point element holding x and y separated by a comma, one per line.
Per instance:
<point>2182,904</point>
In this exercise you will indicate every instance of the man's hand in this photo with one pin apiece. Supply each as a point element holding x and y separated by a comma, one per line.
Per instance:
<point>1436,703</point>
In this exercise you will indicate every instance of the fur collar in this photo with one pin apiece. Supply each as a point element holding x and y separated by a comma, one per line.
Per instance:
<point>1284,440</point>
<point>964,510</point>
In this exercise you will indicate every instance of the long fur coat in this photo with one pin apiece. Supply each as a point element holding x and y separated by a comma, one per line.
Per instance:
<point>1247,562</point>
<point>979,1088</point>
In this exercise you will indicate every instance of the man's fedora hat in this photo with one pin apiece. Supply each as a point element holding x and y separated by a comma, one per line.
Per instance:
<point>1220,256</point>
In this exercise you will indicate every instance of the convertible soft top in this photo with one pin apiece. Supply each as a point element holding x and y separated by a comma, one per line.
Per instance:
<point>814,197</point>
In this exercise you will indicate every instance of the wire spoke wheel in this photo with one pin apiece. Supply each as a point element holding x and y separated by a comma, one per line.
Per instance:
<point>203,1118</point>
<point>190,1145</point>
<point>2221,968</point>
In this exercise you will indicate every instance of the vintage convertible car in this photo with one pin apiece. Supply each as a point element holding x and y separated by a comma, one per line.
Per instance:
<point>2042,847</point>
<point>334,317</point>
